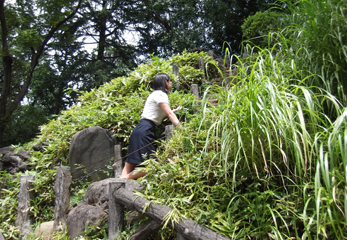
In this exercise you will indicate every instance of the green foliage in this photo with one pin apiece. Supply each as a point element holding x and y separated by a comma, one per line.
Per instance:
<point>258,28</point>
<point>252,166</point>
<point>95,232</point>
<point>267,162</point>
<point>78,191</point>
<point>8,201</point>
<point>168,27</point>
<point>117,106</point>
<point>317,42</point>
<point>24,124</point>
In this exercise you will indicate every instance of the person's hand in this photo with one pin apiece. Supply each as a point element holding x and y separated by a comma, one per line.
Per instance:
<point>177,109</point>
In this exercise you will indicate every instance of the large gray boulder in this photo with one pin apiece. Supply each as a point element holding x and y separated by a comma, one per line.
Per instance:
<point>94,206</point>
<point>13,161</point>
<point>77,219</point>
<point>91,149</point>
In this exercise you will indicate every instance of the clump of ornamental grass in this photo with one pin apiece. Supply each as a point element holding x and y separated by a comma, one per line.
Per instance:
<point>317,42</point>
<point>265,163</point>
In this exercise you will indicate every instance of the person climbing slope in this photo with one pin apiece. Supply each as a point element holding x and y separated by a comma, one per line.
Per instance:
<point>141,139</point>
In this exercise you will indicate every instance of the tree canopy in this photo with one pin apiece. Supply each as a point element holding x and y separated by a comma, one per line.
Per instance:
<point>44,58</point>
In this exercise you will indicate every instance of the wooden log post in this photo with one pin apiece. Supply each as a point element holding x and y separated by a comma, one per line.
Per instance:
<point>117,166</point>
<point>169,131</point>
<point>176,72</point>
<point>62,198</point>
<point>186,228</point>
<point>1,237</point>
<point>116,211</point>
<point>195,90</point>
<point>23,221</point>
<point>202,67</point>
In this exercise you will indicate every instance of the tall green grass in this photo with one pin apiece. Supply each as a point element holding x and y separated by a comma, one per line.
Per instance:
<point>317,39</point>
<point>265,163</point>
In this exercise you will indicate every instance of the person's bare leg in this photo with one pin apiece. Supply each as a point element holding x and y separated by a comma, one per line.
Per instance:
<point>128,168</point>
<point>137,175</point>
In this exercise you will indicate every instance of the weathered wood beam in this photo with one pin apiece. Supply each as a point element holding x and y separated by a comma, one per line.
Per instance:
<point>202,67</point>
<point>23,221</point>
<point>117,166</point>
<point>176,72</point>
<point>186,228</point>
<point>195,90</point>
<point>116,211</point>
<point>180,237</point>
<point>169,131</point>
<point>62,197</point>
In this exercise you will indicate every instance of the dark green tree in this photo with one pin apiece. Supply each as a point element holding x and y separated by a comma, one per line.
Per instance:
<point>24,124</point>
<point>224,20</point>
<point>105,26</point>
<point>26,29</point>
<point>65,68</point>
<point>43,55</point>
<point>168,27</point>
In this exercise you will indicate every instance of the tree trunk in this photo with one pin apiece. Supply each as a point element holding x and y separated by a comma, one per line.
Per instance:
<point>7,68</point>
<point>102,33</point>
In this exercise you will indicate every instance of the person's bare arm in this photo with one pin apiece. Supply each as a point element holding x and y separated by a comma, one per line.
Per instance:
<point>170,114</point>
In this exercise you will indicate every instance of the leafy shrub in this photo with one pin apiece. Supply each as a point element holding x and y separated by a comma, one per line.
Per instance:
<point>258,28</point>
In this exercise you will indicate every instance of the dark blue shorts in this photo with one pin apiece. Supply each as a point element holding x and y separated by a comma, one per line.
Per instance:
<point>141,142</point>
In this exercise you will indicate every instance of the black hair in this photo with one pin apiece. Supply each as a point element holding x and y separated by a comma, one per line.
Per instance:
<point>159,82</point>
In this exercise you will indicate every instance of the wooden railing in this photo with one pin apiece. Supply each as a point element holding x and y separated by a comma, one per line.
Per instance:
<point>118,199</point>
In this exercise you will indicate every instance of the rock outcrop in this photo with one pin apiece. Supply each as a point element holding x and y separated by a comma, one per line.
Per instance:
<point>13,161</point>
<point>94,206</point>
<point>91,149</point>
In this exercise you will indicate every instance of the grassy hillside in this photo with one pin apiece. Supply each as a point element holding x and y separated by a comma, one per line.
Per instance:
<point>116,106</point>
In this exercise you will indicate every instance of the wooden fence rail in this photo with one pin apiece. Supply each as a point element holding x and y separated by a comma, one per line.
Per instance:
<point>119,197</point>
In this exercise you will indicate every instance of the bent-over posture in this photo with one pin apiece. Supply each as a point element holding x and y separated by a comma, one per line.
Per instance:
<point>141,139</point>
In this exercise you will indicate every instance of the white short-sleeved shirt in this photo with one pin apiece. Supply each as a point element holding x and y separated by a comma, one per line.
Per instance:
<point>152,111</point>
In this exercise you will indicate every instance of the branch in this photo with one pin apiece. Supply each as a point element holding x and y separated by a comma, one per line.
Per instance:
<point>158,18</point>
<point>36,56</point>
